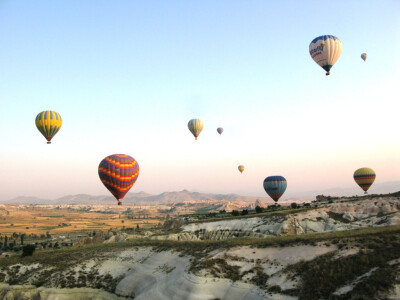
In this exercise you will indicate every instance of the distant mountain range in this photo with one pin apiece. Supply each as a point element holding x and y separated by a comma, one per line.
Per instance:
<point>169,198</point>
<point>142,198</point>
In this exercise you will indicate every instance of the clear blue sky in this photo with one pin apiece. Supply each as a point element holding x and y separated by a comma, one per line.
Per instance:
<point>126,76</point>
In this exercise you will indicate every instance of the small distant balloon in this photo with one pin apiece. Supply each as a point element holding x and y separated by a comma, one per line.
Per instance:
<point>195,126</point>
<point>118,172</point>
<point>364,56</point>
<point>275,186</point>
<point>220,130</point>
<point>325,50</point>
<point>48,123</point>
<point>364,177</point>
<point>241,168</point>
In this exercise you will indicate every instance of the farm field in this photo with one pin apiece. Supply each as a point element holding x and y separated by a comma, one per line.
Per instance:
<point>59,221</point>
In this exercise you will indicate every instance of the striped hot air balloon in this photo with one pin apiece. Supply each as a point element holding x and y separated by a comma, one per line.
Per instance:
<point>195,126</point>
<point>49,123</point>
<point>364,177</point>
<point>118,172</point>
<point>275,186</point>
<point>325,50</point>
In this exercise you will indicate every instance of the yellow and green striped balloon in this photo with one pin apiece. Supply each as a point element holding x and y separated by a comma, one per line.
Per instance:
<point>364,177</point>
<point>48,123</point>
<point>195,126</point>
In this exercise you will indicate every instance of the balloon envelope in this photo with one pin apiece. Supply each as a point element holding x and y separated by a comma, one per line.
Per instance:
<point>48,123</point>
<point>220,130</point>
<point>195,126</point>
<point>275,186</point>
<point>364,56</point>
<point>325,50</point>
<point>118,172</point>
<point>241,168</point>
<point>364,177</point>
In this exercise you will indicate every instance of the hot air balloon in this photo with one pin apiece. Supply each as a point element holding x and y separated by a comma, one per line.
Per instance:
<point>49,123</point>
<point>195,127</point>
<point>275,186</point>
<point>364,56</point>
<point>241,168</point>
<point>364,177</point>
<point>118,172</point>
<point>220,130</point>
<point>325,50</point>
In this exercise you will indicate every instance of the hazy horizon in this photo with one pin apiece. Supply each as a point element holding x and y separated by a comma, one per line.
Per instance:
<point>126,77</point>
<point>380,188</point>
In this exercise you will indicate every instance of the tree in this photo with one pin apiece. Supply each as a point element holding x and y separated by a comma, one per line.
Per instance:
<point>6,241</point>
<point>235,213</point>
<point>22,239</point>
<point>244,212</point>
<point>28,250</point>
<point>137,226</point>
<point>259,209</point>
<point>294,205</point>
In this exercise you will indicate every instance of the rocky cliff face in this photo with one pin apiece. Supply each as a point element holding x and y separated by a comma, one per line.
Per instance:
<point>330,217</point>
<point>147,269</point>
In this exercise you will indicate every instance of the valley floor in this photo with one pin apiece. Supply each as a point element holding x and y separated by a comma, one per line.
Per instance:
<point>335,251</point>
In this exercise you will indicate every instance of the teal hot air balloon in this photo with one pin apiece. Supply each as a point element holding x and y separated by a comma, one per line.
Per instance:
<point>275,186</point>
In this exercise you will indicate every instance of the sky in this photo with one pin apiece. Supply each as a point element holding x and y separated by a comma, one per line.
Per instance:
<point>127,76</point>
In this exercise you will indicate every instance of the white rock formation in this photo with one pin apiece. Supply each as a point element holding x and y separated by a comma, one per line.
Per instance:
<point>332,217</point>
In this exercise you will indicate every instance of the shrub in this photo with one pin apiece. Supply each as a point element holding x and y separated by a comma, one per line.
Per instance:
<point>28,250</point>
<point>259,209</point>
<point>235,213</point>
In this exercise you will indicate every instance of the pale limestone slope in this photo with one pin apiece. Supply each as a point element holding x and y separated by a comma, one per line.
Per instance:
<point>331,217</point>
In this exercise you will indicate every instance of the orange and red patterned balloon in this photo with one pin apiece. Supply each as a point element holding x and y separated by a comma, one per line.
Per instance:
<point>118,172</point>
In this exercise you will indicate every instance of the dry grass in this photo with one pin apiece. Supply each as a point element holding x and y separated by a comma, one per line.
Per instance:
<point>38,220</point>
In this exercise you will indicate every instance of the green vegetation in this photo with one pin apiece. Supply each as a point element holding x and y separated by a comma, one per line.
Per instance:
<point>259,209</point>
<point>337,217</point>
<point>217,267</point>
<point>28,250</point>
<point>379,281</point>
<point>325,274</point>
<point>260,278</point>
<point>269,212</point>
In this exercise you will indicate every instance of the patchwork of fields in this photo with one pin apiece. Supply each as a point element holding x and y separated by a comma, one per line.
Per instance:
<point>60,221</point>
